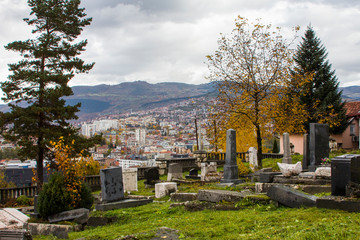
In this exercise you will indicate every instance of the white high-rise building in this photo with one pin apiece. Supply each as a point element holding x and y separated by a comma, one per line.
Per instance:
<point>140,135</point>
<point>88,129</point>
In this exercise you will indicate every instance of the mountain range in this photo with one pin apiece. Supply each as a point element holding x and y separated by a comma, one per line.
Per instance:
<point>140,95</point>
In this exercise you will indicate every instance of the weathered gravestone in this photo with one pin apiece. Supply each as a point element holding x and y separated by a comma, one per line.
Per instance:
<point>345,171</point>
<point>130,179</point>
<point>318,144</point>
<point>175,171</point>
<point>209,172</point>
<point>112,191</point>
<point>151,176</point>
<point>287,150</point>
<point>111,181</point>
<point>253,161</point>
<point>231,174</point>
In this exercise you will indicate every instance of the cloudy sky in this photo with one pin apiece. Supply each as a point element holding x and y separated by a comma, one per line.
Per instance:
<point>167,40</point>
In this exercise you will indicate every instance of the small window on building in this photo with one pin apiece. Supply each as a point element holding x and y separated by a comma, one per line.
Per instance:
<point>352,129</point>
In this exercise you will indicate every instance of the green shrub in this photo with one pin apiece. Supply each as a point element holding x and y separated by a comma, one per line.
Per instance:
<point>24,201</point>
<point>55,198</point>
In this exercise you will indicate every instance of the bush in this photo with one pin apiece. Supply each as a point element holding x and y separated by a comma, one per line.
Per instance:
<point>55,197</point>
<point>242,169</point>
<point>24,201</point>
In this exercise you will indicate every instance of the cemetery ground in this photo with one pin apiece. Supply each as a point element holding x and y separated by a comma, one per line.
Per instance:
<point>247,219</point>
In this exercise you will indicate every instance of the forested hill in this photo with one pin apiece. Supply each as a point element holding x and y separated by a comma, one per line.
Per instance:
<point>140,95</point>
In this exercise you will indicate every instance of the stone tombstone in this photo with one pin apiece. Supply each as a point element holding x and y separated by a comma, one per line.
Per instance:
<point>231,174</point>
<point>130,179</point>
<point>111,181</point>
<point>151,175</point>
<point>318,144</point>
<point>345,169</point>
<point>253,161</point>
<point>287,149</point>
<point>306,154</point>
<point>175,171</point>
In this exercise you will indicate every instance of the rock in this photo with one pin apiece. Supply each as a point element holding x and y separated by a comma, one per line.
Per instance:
<point>323,172</point>
<point>290,169</point>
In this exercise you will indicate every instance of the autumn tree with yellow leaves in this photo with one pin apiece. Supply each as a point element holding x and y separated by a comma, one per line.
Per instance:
<point>251,71</point>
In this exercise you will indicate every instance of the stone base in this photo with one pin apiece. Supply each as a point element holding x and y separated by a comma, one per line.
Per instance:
<point>222,195</point>
<point>126,203</point>
<point>337,203</point>
<point>234,181</point>
<point>164,189</point>
<point>193,177</point>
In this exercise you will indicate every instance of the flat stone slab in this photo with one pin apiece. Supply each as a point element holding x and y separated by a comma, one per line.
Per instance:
<point>15,235</point>
<point>80,216</point>
<point>291,197</point>
<point>267,177</point>
<point>126,203</point>
<point>344,204</point>
<point>300,180</point>
<point>60,231</point>
<point>222,195</point>
<point>183,197</point>
<point>11,218</point>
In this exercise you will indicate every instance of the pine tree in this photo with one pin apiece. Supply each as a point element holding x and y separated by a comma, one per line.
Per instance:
<point>321,95</point>
<point>35,89</point>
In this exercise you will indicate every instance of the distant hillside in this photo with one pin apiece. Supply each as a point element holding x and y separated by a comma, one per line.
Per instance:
<point>140,95</point>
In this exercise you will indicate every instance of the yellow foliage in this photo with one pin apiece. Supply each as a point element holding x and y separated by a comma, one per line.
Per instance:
<point>73,168</point>
<point>242,169</point>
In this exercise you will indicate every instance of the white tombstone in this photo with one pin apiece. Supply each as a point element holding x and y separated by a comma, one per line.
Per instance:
<point>164,189</point>
<point>206,169</point>
<point>323,172</point>
<point>253,161</point>
<point>130,179</point>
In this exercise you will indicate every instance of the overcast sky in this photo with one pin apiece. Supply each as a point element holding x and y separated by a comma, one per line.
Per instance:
<point>167,40</point>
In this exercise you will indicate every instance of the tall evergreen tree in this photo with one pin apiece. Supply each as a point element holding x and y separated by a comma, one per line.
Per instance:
<point>35,89</point>
<point>321,95</point>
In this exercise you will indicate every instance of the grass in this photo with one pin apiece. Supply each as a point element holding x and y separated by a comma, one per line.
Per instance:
<point>253,222</point>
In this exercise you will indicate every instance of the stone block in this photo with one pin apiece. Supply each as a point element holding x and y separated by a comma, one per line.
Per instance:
<point>342,204</point>
<point>125,203</point>
<point>15,235</point>
<point>111,181</point>
<point>288,170</point>
<point>151,175</point>
<point>263,187</point>
<point>222,195</point>
<point>80,216</point>
<point>164,189</point>
<point>130,179</point>
<point>183,197</point>
<point>11,218</point>
<point>60,231</point>
<point>314,189</point>
<point>267,177</point>
<point>291,197</point>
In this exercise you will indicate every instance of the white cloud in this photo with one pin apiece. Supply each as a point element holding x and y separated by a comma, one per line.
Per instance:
<point>162,40</point>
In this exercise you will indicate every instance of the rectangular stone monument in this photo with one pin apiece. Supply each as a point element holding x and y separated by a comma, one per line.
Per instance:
<point>231,174</point>
<point>111,181</point>
<point>345,169</point>
<point>253,161</point>
<point>287,150</point>
<point>193,174</point>
<point>318,144</point>
<point>175,171</point>
<point>130,179</point>
<point>306,152</point>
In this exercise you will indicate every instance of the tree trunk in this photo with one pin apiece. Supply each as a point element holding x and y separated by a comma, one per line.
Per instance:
<point>40,165</point>
<point>259,143</point>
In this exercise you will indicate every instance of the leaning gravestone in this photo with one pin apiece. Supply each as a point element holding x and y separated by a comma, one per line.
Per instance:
<point>130,179</point>
<point>287,151</point>
<point>318,144</point>
<point>111,184</point>
<point>231,174</point>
